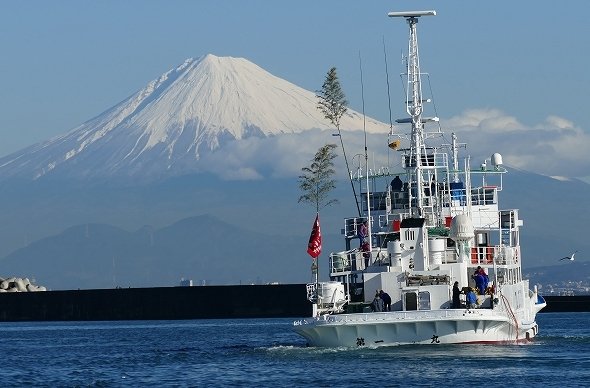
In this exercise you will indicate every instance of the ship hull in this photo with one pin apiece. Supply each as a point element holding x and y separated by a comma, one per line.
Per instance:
<point>416,327</point>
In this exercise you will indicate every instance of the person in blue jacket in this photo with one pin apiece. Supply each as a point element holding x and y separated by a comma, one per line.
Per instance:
<point>486,279</point>
<point>471,299</point>
<point>480,280</point>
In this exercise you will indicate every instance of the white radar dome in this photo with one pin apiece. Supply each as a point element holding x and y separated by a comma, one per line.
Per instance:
<point>461,228</point>
<point>496,159</point>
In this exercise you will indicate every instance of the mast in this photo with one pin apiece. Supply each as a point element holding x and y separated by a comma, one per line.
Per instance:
<point>369,224</point>
<point>414,106</point>
<point>455,158</point>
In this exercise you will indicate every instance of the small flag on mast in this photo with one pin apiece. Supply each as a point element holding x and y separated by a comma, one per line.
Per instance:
<point>314,247</point>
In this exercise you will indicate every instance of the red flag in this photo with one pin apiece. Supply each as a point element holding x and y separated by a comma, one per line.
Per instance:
<point>314,247</point>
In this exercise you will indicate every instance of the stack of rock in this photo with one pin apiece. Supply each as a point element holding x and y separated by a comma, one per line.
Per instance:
<point>19,285</point>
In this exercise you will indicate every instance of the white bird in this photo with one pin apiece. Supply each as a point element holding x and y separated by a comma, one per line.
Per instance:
<point>571,258</point>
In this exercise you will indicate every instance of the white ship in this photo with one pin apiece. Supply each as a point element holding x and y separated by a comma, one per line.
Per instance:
<point>442,225</point>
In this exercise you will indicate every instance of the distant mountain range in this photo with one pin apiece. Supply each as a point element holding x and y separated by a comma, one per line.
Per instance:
<point>75,208</point>
<point>206,251</point>
<point>200,248</point>
<point>564,278</point>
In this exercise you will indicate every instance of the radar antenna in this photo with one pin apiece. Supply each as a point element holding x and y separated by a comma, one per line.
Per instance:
<point>414,103</point>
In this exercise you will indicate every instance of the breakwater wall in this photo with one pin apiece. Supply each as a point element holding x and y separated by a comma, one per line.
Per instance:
<point>171,303</point>
<point>559,304</point>
<point>159,303</point>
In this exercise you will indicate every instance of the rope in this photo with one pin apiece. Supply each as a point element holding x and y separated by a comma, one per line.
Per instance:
<point>505,300</point>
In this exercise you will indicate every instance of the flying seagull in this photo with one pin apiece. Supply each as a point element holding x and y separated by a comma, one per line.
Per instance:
<point>571,258</point>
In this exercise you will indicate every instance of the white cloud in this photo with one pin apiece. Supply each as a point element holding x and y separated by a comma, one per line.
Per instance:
<point>285,155</point>
<point>553,147</point>
<point>486,120</point>
<point>559,122</point>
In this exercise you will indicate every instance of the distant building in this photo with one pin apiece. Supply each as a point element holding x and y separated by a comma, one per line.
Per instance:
<point>186,282</point>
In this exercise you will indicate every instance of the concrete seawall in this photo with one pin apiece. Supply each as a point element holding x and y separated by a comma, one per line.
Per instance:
<point>169,303</point>
<point>558,304</point>
<point>166,303</point>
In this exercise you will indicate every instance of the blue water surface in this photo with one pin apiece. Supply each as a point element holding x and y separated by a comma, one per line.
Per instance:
<point>266,352</point>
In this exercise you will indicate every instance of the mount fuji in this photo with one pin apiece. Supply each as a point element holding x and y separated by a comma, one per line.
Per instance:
<point>167,127</point>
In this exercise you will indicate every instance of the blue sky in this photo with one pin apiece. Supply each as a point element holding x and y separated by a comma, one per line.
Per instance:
<point>517,71</point>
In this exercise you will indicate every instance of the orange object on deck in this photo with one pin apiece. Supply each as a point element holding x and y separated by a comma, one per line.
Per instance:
<point>481,255</point>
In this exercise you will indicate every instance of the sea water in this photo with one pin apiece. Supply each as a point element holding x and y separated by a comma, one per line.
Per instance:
<point>266,352</point>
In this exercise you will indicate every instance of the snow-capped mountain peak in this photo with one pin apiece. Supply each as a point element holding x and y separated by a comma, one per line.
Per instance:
<point>193,108</point>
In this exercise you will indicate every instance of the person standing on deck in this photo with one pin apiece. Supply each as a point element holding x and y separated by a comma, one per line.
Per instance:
<point>386,300</point>
<point>481,280</point>
<point>486,279</point>
<point>377,305</point>
<point>363,234</point>
<point>456,292</point>
<point>471,299</point>
<point>397,184</point>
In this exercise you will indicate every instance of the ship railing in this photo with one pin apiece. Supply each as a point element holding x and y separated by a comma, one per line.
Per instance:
<point>379,200</point>
<point>431,159</point>
<point>352,226</point>
<point>450,257</point>
<point>340,262</point>
<point>373,173</point>
<point>344,262</point>
<point>384,224</point>
<point>486,195</point>
<point>453,195</point>
<point>500,255</point>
